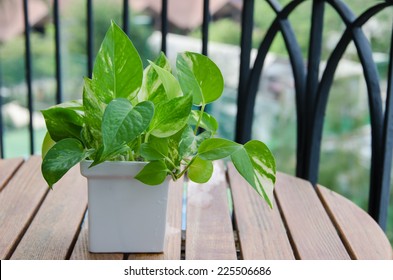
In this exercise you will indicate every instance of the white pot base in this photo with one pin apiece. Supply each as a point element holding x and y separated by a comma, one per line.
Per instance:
<point>125,215</point>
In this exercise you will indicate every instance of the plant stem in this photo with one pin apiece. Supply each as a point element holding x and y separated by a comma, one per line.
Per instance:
<point>138,146</point>
<point>171,163</point>
<point>174,178</point>
<point>146,137</point>
<point>200,119</point>
<point>130,155</point>
<point>185,168</point>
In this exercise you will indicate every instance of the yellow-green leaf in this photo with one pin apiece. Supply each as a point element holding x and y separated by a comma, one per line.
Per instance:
<point>200,170</point>
<point>199,75</point>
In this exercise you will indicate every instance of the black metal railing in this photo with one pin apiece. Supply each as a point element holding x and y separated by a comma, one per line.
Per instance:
<point>312,92</point>
<point>89,38</point>
<point>312,87</point>
<point>28,68</point>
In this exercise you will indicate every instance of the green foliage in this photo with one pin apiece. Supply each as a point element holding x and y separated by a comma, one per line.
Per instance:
<point>155,149</point>
<point>154,173</point>
<point>152,87</point>
<point>206,121</point>
<point>223,30</point>
<point>13,57</point>
<point>118,68</point>
<point>117,121</point>
<point>64,120</point>
<point>170,85</point>
<point>47,143</point>
<point>170,116</point>
<point>200,170</point>
<point>122,123</point>
<point>61,158</point>
<point>213,149</point>
<point>198,77</point>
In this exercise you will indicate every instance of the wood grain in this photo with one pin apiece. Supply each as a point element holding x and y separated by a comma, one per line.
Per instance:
<point>172,247</point>
<point>363,237</point>
<point>19,202</point>
<point>56,225</point>
<point>8,167</point>
<point>209,233</point>
<point>261,231</point>
<point>35,224</point>
<point>312,232</point>
<point>81,249</point>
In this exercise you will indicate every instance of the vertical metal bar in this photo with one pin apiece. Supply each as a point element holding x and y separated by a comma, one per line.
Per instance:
<point>314,58</point>
<point>28,68</point>
<point>314,52</point>
<point>371,77</point>
<point>205,26</point>
<point>1,115</point>
<point>56,16</point>
<point>126,16</point>
<point>381,203</point>
<point>205,34</point>
<point>164,24</point>
<point>244,70</point>
<point>90,42</point>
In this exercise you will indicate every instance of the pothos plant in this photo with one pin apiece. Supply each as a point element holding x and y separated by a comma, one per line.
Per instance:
<point>131,114</point>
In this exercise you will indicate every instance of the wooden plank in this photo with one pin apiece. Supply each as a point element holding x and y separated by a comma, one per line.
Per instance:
<point>363,237</point>
<point>172,247</point>
<point>56,225</point>
<point>262,234</point>
<point>209,233</point>
<point>8,167</point>
<point>81,250</point>
<point>19,202</point>
<point>312,232</point>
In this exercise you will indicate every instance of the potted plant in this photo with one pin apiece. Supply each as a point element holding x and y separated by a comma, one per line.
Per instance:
<point>135,128</point>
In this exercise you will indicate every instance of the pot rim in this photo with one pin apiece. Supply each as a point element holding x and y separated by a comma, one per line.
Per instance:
<point>111,168</point>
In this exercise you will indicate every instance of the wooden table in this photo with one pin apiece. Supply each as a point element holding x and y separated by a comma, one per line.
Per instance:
<point>306,223</point>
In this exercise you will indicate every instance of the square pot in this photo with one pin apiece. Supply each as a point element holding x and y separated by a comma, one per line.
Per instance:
<point>125,215</point>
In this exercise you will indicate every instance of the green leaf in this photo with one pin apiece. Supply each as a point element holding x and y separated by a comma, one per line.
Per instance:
<point>243,164</point>
<point>122,123</point>
<point>256,164</point>
<point>171,116</point>
<point>155,149</point>
<point>75,105</point>
<point>217,148</point>
<point>208,122</point>
<point>190,142</point>
<point>253,161</point>
<point>64,120</point>
<point>199,76</point>
<point>264,166</point>
<point>94,111</point>
<point>47,144</point>
<point>118,68</point>
<point>153,173</point>
<point>117,153</point>
<point>173,146</point>
<point>61,158</point>
<point>171,85</point>
<point>152,87</point>
<point>200,170</point>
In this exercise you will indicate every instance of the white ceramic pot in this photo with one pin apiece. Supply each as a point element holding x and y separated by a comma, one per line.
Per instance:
<point>125,215</point>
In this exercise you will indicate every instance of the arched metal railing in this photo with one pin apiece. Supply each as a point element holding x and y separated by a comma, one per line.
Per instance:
<point>312,92</point>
